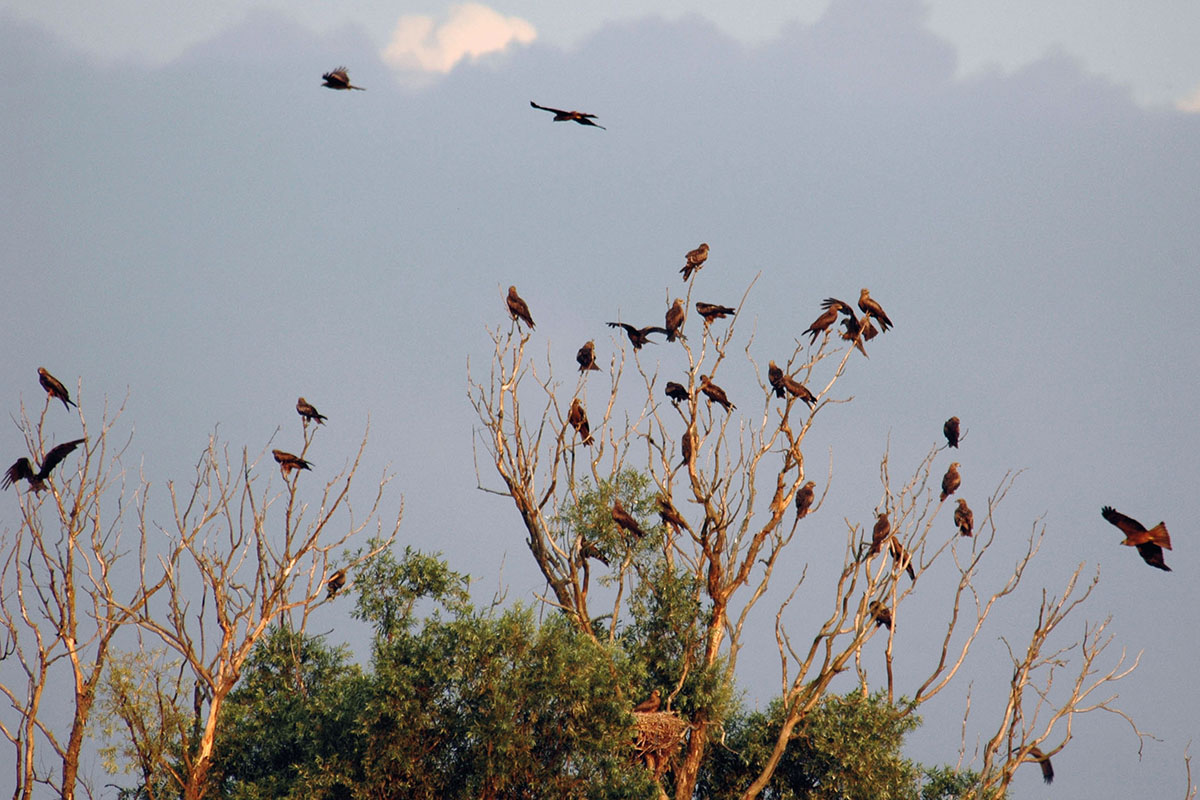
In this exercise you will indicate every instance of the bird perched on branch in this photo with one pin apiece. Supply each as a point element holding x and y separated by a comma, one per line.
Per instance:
<point>625,520</point>
<point>786,383</point>
<point>650,704</point>
<point>711,311</point>
<point>715,393</point>
<point>288,462</point>
<point>858,331</point>
<point>872,308</point>
<point>577,417</point>
<point>335,583</point>
<point>676,392</point>
<point>1149,543</point>
<point>339,79</point>
<point>674,323</point>
<point>950,429</point>
<point>587,357</point>
<point>669,513</point>
<point>306,410</point>
<point>881,533</point>
<point>951,480</point>
<point>881,614</point>
<point>694,260</point>
<point>54,388</point>
<point>517,308</point>
<point>822,324</point>
<point>23,469</point>
<point>964,519</point>
<point>804,499</point>
<point>638,336</point>
<point>588,549</point>
<point>569,116</point>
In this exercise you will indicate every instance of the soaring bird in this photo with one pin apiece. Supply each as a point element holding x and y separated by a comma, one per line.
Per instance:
<point>625,520</point>
<point>306,410</point>
<point>715,393</point>
<point>1149,543</point>
<point>951,480</point>
<point>1035,754</point>
<point>650,704</point>
<point>335,583</point>
<point>872,308</point>
<point>675,317</point>
<point>711,311</point>
<point>669,513</point>
<point>881,614</point>
<point>587,356</point>
<point>676,392</point>
<point>964,519</point>
<point>22,468</point>
<point>54,387</point>
<point>288,462</point>
<point>786,383</point>
<point>569,116</point>
<point>517,307</point>
<point>638,336</point>
<point>694,260</point>
<point>951,431</point>
<point>804,499</point>
<point>577,417</point>
<point>338,79</point>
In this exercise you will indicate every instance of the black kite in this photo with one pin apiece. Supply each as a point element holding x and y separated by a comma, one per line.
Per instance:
<point>674,323</point>
<point>517,307</point>
<point>804,499</point>
<point>711,311</point>
<point>335,583</point>
<point>964,519</point>
<point>715,393</point>
<point>1149,543</point>
<point>23,469</point>
<point>650,704</point>
<point>288,462</point>
<point>676,392</point>
<point>1036,755</point>
<point>694,260</point>
<point>638,336</point>
<point>872,308</point>
<point>306,410</point>
<point>577,417</point>
<point>625,520</point>
<point>339,79</point>
<point>951,480</point>
<point>951,431</point>
<point>881,614</point>
<point>587,357</point>
<point>54,387</point>
<point>669,513</point>
<point>569,116</point>
<point>787,384</point>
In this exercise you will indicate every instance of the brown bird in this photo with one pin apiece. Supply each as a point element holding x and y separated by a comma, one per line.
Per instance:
<point>951,431</point>
<point>951,480</point>
<point>335,583</point>
<point>23,469</point>
<point>711,311</point>
<point>306,410</point>
<point>1149,543</point>
<point>54,387</point>
<point>587,357</point>
<point>638,336</point>
<point>804,499</point>
<point>786,383</point>
<point>715,393</point>
<point>675,317</point>
<point>669,513</point>
<point>517,307</point>
<point>898,554</point>
<point>577,417</point>
<point>880,534</point>
<point>288,462</point>
<point>339,79</point>
<point>625,520</point>
<point>570,116</point>
<point>881,614</point>
<point>869,306</point>
<point>687,447</point>
<point>1043,760</point>
<point>676,392</point>
<point>858,331</point>
<point>822,324</point>
<point>964,519</point>
<point>650,704</point>
<point>588,549</point>
<point>694,260</point>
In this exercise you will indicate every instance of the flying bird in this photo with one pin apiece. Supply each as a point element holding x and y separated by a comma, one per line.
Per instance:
<point>587,357</point>
<point>675,317</point>
<point>54,387</point>
<point>339,79</point>
<point>335,583</point>
<point>306,410</point>
<point>951,431</point>
<point>638,336</point>
<point>1043,760</point>
<point>288,462</point>
<point>1149,543</point>
<point>650,704</point>
<point>625,520</point>
<point>577,417</point>
<point>711,311</point>
<point>23,469</point>
<point>676,392</point>
<point>517,308</point>
<point>569,116</point>
<point>951,480</point>
<point>694,260</point>
<point>715,393</point>
<point>872,308</point>
<point>881,614</point>
<point>964,519</point>
<point>786,383</point>
<point>669,513</point>
<point>804,499</point>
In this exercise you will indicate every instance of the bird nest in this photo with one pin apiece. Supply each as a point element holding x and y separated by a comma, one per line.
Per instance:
<point>659,734</point>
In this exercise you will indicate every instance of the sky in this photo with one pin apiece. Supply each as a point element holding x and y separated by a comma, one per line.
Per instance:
<point>193,226</point>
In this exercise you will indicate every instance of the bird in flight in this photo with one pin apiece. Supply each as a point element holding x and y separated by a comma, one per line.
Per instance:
<point>951,431</point>
<point>1149,543</point>
<point>638,336</point>
<point>306,410</point>
<point>625,520</point>
<point>872,308</point>
<point>694,260</point>
<point>715,393</point>
<point>54,387</point>
<point>951,480</point>
<point>335,583</point>
<point>786,383</point>
<point>674,323</point>
<point>587,357</point>
<point>570,116</point>
<point>578,420</point>
<point>964,519</point>
<point>23,469</point>
<point>711,311</point>
<point>288,462</point>
<point>1043,760</point>
<point>339,79</point>
<point>517,308</point>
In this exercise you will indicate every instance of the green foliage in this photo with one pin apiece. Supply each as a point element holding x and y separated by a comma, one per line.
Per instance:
<point>388,589</point>
<point>590,516</point>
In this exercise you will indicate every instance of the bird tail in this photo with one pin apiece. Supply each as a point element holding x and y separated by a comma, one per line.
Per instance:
<point>1158,534</point>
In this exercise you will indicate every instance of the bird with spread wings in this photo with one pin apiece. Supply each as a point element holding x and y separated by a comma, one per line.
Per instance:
<point>569,116</point>
<point>23,469</point>
<point>339,79</point>
<point>1149,543</point>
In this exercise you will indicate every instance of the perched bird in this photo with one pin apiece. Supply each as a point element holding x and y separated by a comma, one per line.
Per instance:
<point>54,387</point>
<point>711,311</point>
<point>964,519</point>
<point>841,306</point>
<point>804,499</point>
<point>588,549</point>
<point>23,469</point>
<point>898,554</point>
<point>288,462</point>
<point>306,410</point>
<point>687,446</point>
<point>694,260</point>
<point>951,480</point>
<point>1043,760</point>
<point>822,324</point>
<point>786,383</point>
<point>951,431</point>
<point>338,79</point>
<point>335,583</point>
<point>869,306</point>
<point>569,116</point>
<point>587,357</point>
<point>858,331</point>
<point>880,534</point>
<point>675,317</point>
<point>1149,543</point>
<point>676,392</point>
<point>715,393</point>
<point>638,336</point>
<point>669,513</point>
<point>625,520</point>
<point>577,417</point>
<point>881,614</point>
<point>650,704</point>
<point>517,307</point>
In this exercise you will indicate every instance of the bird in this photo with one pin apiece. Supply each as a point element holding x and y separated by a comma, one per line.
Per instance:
<point>950,429</point>
<point>687,445</point>
<point>570,116</point>
<point>23,469</point>
<point>650,704</point>
<point>951,480</point>
<point>1043,760</point>
<point>638,336</point>
<point>711,311</point>
<point>804,499</point>
<point>858,331</point>
<point>306,410</point>
<point>587,356</point>
<point>715,393</point>
<point>822,324</point>
<point>625,520</point>
<point>898,554</point>
<point>881,614</point>
<point>676,392</point>
<point>871,307</point>
<point>675,317</point>
<point>577,417</point>
<point>289,462</point>
<point>339,79</point>
<point>964,519</point>
<point>588,549</point>
<point>1149,543</point>
<point>517,307</point>
<point>54,388</point>
<point>786,383</point>
<point>669,513</point>
<point>694,260</point>
<point>880,534</point>
<point>336,581</point>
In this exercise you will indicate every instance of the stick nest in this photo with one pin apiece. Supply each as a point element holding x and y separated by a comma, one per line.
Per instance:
<point>659,734</point>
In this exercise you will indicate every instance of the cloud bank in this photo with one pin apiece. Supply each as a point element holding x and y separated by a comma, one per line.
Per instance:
<point>472,30</point>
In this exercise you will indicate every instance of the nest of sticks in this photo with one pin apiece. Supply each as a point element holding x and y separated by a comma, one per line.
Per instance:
<point>659,734</point>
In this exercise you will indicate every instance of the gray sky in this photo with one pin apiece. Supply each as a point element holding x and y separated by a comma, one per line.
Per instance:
<point>213,234</point>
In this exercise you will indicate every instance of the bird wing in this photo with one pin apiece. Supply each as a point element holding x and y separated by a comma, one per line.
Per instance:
<point>548,108</point>
<point>56,455</point>
<point>1127,525</point>
<point>21,469</point>
<point>338,76</point>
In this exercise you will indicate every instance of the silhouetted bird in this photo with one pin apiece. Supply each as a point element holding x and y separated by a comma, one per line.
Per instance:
<point>306,410</point>
<point>711,311</point>
<point>881,614</point>
<point>951,431</point>
<point>339,79</point>
<point>869,306</point>
<point>785,383</point>
<point>1149,543</point>
<point>676,392</point>
<point>964,519</point>
<point>694,260</point>
<point>587,357</point>
<point>288,462</point>
<point>638,336</point>
<point>625,520</point>
<point>335,583</point>
<point>675,317</point>
<point>23,469</point>
<point>669,513</point>
<point>650,704</point>
<point>804,499</point>
<point>54,387</point>
<point>577,417</point>
<point>569,116</point>
<point>951,480</point>
<point>1043,760</point>
<point>517,307</point>
<point>715,393</point>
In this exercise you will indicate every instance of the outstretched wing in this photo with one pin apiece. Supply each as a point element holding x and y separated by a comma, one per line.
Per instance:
<point>21,469</point>
<point>56,455</point>
<point>1127,525</point>
<point>551,110</point>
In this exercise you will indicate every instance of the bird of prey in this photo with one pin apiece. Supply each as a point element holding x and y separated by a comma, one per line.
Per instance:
<point>951,431</point>
<point>786,383</point>
<point>872,308</point>
<point>517,308</point>
<point>569,116</point>
<point>711,311</point>
<point>715,393</point>
<point>951,480</point>
<point>1043,760</point>
<point>23,469</point>
<point>625,520</point>
<point>288,462</point>
<point>964,519</point>
<point>339,79</point>
<point>669,513</point>
<point>881,614</point>
<point>676,392</point>
<point>1149,543</point>
<point>694,260</point>
<point>54,388</point>
<point>822,324</point>
<point>675,317</point>
<point>804,499</point>
<point>898,554</point>
<point>650,704</point>
<point>335,583</point>
<point>588,549</point>
<point>577,417</point>
<point>858,331</point>
<point>638,336</point>
<point>880,534</point>
<point>587,357</point>
<point>686,446</point>
<point>306,410</point>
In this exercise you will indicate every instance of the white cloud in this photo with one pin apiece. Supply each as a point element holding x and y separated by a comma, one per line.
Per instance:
<point>1191,103</point>
<point>470,31</point>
